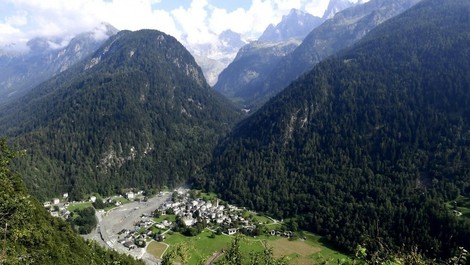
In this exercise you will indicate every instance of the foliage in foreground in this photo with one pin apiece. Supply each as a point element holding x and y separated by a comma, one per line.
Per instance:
<point>29,235</point>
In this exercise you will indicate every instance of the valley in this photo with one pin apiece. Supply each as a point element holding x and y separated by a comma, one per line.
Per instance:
<point>342,139</point>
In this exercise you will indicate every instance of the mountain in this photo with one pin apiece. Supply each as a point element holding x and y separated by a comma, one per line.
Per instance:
<point>296,25</point>
<point>335,6</point>
<point>257,59</point>
<point>339,32</point>
<point>30,235</point>
<point>46,58</point>
<point>214,57</point>
<point>137,113</point>
<point>253,60</point>
<point>366,148</point>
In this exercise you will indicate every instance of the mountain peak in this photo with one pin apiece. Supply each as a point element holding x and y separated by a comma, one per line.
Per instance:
<point>336,6</point>
<point>144,101</point>
<point>295,25</point>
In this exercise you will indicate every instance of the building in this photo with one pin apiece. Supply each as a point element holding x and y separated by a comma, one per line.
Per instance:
<point>130,195</point>
<point>231,231</point>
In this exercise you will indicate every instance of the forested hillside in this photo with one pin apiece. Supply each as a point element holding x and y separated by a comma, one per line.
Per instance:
<point>137,113</point>
<point>29,235</point>
<point>368,146</point>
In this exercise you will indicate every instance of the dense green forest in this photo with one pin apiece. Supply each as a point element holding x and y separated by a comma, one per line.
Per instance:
<point>367,147</point>
<point>137,113</point>
<point>29,235</point>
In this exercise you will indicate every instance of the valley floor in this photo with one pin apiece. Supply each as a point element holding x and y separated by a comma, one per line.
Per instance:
<point>110,223</point>
<point>114,225</point>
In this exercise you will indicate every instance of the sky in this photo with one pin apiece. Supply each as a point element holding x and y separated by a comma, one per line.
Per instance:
<point>200,21</point>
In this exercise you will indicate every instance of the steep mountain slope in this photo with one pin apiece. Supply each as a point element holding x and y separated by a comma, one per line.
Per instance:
<point>367,147</point>
<point>138,113</point>
<point>339,32</point>
<point>253,60</point>
<point>257,59</point>
<point>31,236</point>
<point>22,72</point>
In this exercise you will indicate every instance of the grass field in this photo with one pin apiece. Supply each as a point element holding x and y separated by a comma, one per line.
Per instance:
<point>326,252</point>
<point>463,206</point>
<point>208,196</point>
<point>169,217</point>
<point>121,199</point>
<point>156,249</point>
<point>262,219</point>
<point>299,252</point>
<point>78,206</point>
<point>283,247</point>
<point>201,246</point>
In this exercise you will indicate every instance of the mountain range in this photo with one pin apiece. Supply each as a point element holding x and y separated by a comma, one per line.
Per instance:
<point>259,57</point>
<point>22,72</point>
<point>368,146</point>
<point>342,30</point>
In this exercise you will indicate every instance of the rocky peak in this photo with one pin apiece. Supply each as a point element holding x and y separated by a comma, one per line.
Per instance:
<point>296,25</point>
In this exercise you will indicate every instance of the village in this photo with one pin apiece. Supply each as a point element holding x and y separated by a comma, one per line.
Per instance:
<point>183,212</point>
<point>145,227</point>
<point>190,216</point>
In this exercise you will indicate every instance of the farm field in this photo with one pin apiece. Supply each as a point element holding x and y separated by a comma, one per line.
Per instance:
<point>206,244</point>
<point>202,246</point>
<point>462,206</point>
<point>156,249</point>
<point>78,206</point>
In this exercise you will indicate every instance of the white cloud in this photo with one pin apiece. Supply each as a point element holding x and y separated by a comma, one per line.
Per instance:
<point>316,8</point>
<point>200,21</point>
<point>193,22</point>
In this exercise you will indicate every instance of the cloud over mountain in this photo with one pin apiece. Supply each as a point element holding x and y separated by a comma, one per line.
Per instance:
<point>200,21</point>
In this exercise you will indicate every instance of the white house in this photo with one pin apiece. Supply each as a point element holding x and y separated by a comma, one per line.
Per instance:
<point>189,221</point>
<point>55,201</point>
<point>93,198</point>
<point>130,195</point>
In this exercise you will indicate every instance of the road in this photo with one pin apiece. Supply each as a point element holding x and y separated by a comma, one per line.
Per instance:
<point>124,217</point>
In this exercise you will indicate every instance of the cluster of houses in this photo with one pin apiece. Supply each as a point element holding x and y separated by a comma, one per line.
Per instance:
<point>189,210</point>
<point>58,208</point>
<point>193,210</point>
<point>138,236</point>
<point>142,231</point>
<point>229,218</point>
